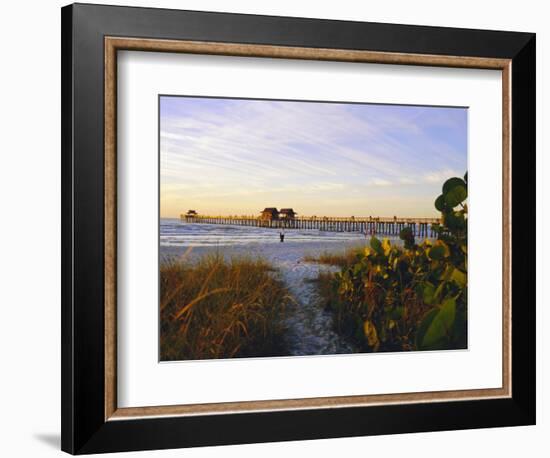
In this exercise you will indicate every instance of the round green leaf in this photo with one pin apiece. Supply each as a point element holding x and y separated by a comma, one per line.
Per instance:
<point>451,183</point>
<point>423,327</point>
<point>376,245</point>
<point>459,277</point>
<point>370,333</point>
<point>440,203</point>
<point>446,274</point>
<point>406,233</point>
<point>386,247</point>
<point>437,253</point>
<point>455,196</point>
<point>436,332</point>
<point>428,293</point>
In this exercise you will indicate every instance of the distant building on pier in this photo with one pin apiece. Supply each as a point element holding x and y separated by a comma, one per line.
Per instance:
<point>190,215</point>
<point>269,214</point>
<point>287,214</point>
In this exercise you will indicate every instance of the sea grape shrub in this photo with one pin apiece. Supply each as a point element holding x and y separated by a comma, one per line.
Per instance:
<point>445,325</point>
<point>412,297</point>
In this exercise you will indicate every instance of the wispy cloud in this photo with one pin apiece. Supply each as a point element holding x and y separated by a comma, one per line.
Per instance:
<point>231,155</point>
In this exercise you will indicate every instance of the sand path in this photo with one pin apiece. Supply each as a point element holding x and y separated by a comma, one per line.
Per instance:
<point>309,326</point>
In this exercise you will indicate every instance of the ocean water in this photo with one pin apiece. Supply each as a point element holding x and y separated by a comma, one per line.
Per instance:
<point>174,232</point>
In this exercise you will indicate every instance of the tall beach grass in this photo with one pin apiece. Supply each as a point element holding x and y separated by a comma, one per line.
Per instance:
<point>343,258</point>
<point>220,308</point>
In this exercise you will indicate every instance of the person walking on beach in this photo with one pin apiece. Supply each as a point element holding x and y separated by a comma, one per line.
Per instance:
<point>282,236</point>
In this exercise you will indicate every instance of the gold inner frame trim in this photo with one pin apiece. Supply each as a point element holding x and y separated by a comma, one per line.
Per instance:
<point>114,44</point>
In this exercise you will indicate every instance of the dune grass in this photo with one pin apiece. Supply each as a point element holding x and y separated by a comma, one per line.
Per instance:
<point>343,259</point>
<point>219,308</point>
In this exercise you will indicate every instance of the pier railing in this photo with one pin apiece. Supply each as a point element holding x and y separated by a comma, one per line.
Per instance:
<point>367,225</point>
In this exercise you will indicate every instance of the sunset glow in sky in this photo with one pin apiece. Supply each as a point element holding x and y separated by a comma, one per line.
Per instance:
<point>236,156</point>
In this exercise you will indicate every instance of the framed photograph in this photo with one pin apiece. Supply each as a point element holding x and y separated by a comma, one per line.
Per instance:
<point>281,228</point>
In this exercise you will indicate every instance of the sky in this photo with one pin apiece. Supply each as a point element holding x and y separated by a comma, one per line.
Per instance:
<point>238,156</point>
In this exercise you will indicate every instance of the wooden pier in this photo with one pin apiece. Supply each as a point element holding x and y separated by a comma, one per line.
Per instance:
<point>422,227</point>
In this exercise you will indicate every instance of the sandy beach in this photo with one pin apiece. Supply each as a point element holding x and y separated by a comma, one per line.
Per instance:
<point>309,326</point>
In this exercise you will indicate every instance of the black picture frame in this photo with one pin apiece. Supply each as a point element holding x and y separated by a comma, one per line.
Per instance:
<point>84,429</point>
